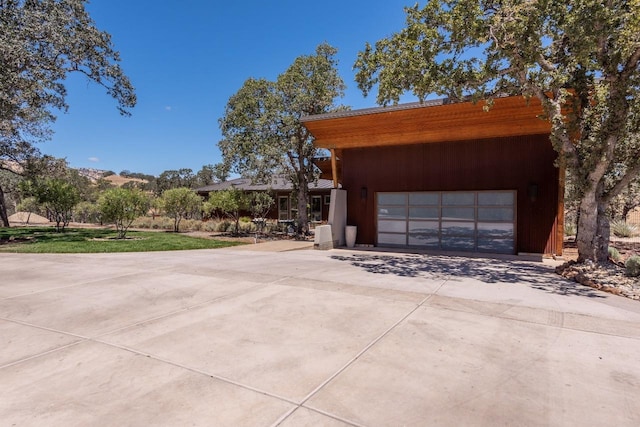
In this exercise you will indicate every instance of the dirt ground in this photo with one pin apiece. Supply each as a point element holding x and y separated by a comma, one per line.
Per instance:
<point>625,246</point>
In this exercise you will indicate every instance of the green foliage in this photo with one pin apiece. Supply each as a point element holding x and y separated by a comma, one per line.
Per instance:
<point>42,41</point>
<point>9,193</point>
<point>581,59</point>
<point>632,266</point>
<point>211,174</point>
<point>170,179</point>
<point>230,203</point>
<point>623,229</point>
<point>180,203</point>
<point>29,204</point>
<point>223,226</point>
<point>614,254</point>
<point>43,240</point>
<point>121,206</point>
<point>261,128</point>
<point>147,183</point>
<point>260,203</point>
<point>59,198</point>
<point>87,212</point>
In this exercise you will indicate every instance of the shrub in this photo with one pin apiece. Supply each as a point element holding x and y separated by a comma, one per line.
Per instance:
<point>569,229</point>
<point>623,229</point>
<point>157,223</point>
<point>248,227</point>
<point>191,225</point>
<point>245,219</point>
<point>632,266</point>
<point>614,254</point>
<point>210,226</point>
<point>223,226</point>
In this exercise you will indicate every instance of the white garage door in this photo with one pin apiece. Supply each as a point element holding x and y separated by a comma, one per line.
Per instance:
<point>475,221</point>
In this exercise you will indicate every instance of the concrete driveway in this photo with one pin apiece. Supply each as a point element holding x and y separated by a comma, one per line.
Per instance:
<point>237,337</point>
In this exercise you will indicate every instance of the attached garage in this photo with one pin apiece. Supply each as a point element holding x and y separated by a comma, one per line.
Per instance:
<point>447,176</point>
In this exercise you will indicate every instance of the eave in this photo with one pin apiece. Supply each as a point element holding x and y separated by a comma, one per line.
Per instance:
<point>429,122</point>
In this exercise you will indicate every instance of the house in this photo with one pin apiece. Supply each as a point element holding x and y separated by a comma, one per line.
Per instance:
<point>444,175</point>
<point>281,190</point>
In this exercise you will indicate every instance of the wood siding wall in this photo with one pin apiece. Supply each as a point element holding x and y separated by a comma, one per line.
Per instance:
<point>496,164</point>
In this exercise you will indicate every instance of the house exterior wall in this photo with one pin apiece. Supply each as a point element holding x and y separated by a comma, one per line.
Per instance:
<point>492,164</point>
<point>274,212</point>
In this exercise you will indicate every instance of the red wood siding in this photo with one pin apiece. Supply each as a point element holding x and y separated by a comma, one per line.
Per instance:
<point>495,164</point>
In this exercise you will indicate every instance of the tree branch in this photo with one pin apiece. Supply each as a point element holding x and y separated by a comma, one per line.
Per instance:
<point>546,65</point>
<point>631,65</point>
<point>632,173</point>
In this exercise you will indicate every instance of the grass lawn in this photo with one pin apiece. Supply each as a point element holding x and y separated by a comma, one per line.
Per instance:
<point>90,240</point>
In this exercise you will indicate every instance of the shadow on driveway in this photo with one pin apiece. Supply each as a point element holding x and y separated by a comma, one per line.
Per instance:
<point>485,270</point>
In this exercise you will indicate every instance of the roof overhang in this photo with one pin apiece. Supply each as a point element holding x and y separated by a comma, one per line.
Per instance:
<point>428,122</point>
<point>326,170</point>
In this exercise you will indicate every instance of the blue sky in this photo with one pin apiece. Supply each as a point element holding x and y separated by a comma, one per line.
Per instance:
<point>187,57</point>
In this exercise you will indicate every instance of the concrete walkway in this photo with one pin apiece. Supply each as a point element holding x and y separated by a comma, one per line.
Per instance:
<point>309,338</point>
<point>276,246</point>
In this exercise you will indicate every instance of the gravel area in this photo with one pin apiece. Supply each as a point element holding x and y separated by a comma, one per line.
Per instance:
<point>608,277</point>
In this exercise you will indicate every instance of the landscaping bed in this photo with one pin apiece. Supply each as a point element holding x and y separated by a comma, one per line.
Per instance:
<point>608,277</point>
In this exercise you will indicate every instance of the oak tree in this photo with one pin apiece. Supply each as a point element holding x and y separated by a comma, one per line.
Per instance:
<point>41,43</point>
<point>261,128</point>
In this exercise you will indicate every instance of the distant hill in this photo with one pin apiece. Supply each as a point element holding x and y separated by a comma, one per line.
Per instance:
<point>95,174</point>
<point>121,180</point>
<point>92,174</point>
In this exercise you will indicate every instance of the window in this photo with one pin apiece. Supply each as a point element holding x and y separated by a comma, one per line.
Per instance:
<point>316,208</point>
<point>283,208</point>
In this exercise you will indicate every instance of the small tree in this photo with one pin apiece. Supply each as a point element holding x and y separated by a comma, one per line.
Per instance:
<point>260,203</point>
<point>59,198</point>
<point>122,206</point>
<point>230,202</point>
<point>179,203</point>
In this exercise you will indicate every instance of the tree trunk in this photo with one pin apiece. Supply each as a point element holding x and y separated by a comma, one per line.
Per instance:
<point>3,210</point>
<point>593,226</point>
<point>303,201</point>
